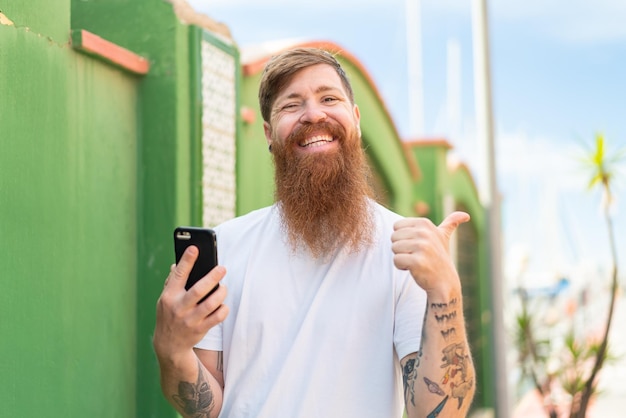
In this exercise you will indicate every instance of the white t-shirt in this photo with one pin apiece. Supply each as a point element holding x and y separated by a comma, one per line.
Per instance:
<point>308,338</point>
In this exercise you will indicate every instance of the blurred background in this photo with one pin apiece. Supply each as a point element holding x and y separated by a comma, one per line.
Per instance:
<point>557,75</point>
<point>122,120</point>
<point>557,81</point>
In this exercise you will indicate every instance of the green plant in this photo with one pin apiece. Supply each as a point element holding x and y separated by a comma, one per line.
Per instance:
<point>574,364</point>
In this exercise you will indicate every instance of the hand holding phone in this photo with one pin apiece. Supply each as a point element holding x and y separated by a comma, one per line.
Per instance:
<point>206,242</point>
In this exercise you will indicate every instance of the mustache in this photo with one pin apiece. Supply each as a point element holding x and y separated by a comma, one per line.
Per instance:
<point>302,132</point>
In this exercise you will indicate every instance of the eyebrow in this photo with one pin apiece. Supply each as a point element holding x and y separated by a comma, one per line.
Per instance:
<point>320,89</point>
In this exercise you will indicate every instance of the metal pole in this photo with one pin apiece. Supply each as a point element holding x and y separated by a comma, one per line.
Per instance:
<point>453,103</point>
<point>490,199</point>
<point>414,58</point>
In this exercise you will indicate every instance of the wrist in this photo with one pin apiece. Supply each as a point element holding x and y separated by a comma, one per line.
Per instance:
<point>178,360</point>
<point>445,291</point>
<point>172,356</point>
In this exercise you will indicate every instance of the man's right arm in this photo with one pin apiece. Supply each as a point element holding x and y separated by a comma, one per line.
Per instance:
<point>192,381</point>
<point>193,387</point>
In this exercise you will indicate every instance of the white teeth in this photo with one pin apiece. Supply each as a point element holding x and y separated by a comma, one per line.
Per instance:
<point>317,141</point>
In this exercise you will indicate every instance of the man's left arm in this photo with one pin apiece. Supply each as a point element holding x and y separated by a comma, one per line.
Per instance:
<point>439,378</point>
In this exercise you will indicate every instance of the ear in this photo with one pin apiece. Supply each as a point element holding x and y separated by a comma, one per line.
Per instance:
<point>268,133</point>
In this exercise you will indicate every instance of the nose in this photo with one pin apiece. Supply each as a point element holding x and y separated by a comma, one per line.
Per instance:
<point>313,113</point>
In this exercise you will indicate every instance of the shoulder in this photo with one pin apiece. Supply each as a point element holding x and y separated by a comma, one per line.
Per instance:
<point>245,220</point>
<point>384,219</point>
<point>384,214</point>
<point>234,229</point>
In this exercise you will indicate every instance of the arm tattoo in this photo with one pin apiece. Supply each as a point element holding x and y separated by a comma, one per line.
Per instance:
<point>409,369</point>
<point>220,361</point>
<point>449,333</point>
<point>457,377</point>
<point>444,314</point>
<point>456,381</point>
<point>196,400</point>
<point>424,329</point>
<point>409,376</point>
<point>435,412</point>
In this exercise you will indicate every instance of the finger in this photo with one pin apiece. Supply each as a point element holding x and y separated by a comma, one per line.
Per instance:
<point>180,272</point>
<point>205,285</point>
<point>452,222</point>
<point>407,246</point>
<point>402,261</point>
<point>213,302</point>
<point>216,317</point>
<point>411,222</point>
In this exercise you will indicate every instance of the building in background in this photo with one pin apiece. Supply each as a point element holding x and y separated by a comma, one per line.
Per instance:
<point>119,122</point>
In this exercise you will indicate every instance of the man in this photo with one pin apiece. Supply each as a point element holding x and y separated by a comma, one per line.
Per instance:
<point>336,306</point>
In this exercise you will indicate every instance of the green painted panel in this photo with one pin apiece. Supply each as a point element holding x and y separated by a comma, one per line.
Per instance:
<point>166,185</point>
<point>255,170</point>
<point>49,19</point>
<point>68,157</point>
<point>166,192</point>
<point>381,141</point>
<point>472,242</point>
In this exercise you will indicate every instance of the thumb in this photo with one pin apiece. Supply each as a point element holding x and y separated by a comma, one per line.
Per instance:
<point>452,222</point>
<point>181,270</point>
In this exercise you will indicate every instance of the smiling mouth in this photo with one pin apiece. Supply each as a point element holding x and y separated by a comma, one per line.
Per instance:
<point>316,141</point>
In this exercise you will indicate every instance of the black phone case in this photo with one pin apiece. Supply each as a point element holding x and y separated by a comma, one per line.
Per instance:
<point>205,240</point>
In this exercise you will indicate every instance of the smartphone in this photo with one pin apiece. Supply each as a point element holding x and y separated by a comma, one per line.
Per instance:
<point>206,242</point>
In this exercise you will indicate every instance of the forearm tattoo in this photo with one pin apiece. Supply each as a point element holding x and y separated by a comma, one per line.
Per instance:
<point>457,378</point>
<point>444,314</point>
<point>220,361</point>
<point>409,369</point>
<point>409,376</point>
<point>457,364</point>
<point>195,399</point>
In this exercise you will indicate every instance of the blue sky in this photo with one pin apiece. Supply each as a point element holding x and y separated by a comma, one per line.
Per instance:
<point>558,77</point>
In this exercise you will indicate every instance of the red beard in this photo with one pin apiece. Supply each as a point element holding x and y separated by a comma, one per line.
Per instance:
<point>323,196</point>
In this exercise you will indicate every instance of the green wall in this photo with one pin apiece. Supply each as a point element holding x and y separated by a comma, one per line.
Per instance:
<point>381,141</point>
<point>97,166</point>
<point>68,199</point>
<point>255,172</point>
<point>95,172</point>
<point>474,275</point>
<point>169,144</point>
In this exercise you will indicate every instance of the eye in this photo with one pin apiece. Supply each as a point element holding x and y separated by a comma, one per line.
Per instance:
<point>329,99</point>
<point>289,106</point>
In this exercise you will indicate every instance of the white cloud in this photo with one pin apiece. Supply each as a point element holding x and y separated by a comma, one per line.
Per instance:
<point>524,161</point>
<point>540,159</point>
<point>567,20</point>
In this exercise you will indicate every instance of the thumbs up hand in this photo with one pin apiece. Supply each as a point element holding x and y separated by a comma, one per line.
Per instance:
<point>423,248</point>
